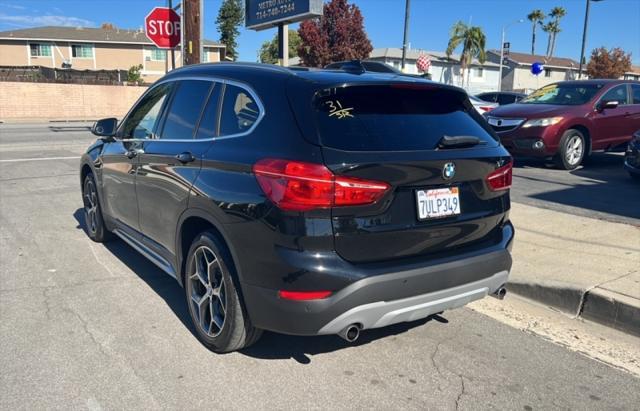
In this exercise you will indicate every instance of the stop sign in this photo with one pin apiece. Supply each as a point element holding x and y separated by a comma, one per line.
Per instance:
<point>162,26</point>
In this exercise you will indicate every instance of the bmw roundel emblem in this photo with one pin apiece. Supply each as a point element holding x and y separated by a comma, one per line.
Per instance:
<point>448,171</point>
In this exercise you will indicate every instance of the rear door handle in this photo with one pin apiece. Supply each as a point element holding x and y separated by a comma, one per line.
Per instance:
<point>185,157</point>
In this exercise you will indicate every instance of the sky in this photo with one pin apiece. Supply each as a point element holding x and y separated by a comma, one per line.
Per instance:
<point>612,23</point>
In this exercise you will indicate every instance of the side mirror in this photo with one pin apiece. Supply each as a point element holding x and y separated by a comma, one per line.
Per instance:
<point>105,127</point>
<point>608,104</point>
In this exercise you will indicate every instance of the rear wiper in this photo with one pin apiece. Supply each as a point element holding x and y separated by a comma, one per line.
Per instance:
<point>459,141</point>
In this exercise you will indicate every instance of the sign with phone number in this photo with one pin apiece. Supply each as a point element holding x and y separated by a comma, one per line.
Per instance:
<point>264,14</point>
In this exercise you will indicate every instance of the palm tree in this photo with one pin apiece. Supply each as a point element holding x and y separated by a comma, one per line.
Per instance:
<point>556,14</point>
<point>536,17</point>
<point>473,42</point>
<point>549,29</point>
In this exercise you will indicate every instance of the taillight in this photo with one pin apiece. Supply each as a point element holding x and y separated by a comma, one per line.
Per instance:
<point>303,295</point>
<point>486,108</point>
<point>500,178</point>
<point>300,186</point>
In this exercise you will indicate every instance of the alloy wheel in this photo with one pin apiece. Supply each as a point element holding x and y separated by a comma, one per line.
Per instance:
<point>208,294</point>
<point>91,206</point>
<point>574,150</point>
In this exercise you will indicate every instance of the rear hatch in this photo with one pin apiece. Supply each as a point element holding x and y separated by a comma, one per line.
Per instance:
<point>427,142</point>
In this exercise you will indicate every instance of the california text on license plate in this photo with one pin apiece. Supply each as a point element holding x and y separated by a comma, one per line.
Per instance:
<point>439,202</point>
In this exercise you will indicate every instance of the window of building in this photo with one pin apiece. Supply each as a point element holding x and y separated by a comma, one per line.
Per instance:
<point>547,72</point>
<point>158,55</point>
<point>478,72</point>
<point>40,50</point>
<point>239,111</point>
<point>186,106</point>
<point>81,51</point>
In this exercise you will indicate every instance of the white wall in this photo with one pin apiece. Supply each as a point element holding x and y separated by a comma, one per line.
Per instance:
<point>524,80</point>
<point>450,74</point>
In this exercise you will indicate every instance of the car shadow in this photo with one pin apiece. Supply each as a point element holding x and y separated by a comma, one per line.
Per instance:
<point>601,185</point>
<point>163,285</point>
<point>271,346</point>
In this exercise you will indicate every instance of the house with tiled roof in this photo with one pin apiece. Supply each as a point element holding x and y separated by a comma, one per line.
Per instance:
<point>517,76</point>
<point>445,69</point>
<point>107,48</point>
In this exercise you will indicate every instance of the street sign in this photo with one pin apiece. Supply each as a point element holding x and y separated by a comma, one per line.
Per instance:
<point>162,26</point>
<point>506,45</point>
<point>264,14</point>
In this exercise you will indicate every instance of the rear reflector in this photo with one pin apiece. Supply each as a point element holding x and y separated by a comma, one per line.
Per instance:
<point>501,178</point>
<point>300,186</point>
<point>303,295</point>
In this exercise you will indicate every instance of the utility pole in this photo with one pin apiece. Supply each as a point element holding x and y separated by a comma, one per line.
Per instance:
<point>584,35</point>
<point>406,33</point>
<point>192,30</point>
<point>283,44</point>
<point>504,32</point>
<point>173,53</point>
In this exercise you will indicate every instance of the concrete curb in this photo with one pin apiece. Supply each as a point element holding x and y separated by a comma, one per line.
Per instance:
<point>599,305</point>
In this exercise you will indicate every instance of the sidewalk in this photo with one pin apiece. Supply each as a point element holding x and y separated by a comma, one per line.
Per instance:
<point>586,267</point>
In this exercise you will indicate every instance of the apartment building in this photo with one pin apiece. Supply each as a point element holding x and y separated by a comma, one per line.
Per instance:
<point>91,48</point>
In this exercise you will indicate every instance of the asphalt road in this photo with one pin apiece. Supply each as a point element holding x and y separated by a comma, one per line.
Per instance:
<point>84,325</point>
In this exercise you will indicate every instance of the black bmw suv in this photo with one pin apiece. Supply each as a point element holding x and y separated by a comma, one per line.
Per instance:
<point>305,201</point>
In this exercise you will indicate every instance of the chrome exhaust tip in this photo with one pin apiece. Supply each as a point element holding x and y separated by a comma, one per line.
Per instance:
<point>350,333</point>
<point>499,293</point>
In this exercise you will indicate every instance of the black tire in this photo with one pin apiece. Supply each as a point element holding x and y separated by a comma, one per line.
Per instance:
<point>572,150</point>
<point>213,299</point>
<point>93,221</point>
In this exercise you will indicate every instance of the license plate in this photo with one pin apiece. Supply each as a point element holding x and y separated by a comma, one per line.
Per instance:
<point>439,202</point>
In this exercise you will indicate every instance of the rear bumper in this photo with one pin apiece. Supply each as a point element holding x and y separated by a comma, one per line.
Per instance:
<point>410,292</point>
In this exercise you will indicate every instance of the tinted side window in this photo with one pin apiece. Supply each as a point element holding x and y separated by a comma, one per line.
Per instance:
<point>239,111</point>
<point>488,97</point>
<point>142,119</point>
<point>635,94</point>
<point>186,106</point>
<point>209,122</point>
<point>506,99</point>
<point>618,93</point>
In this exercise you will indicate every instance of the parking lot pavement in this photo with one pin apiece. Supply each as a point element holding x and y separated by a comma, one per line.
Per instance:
<point>95,326</point>
<point>602,189</point>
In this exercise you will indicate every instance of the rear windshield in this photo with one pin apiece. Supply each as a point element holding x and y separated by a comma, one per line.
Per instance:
<point>380,118</point>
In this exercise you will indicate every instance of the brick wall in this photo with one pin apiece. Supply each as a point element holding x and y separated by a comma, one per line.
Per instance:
<point>49,101</point>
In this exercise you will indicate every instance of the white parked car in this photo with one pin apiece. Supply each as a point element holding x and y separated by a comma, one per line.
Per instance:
<point>481,105</point>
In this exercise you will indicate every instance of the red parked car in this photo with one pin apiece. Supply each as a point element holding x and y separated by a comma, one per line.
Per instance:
<point>569,120</point>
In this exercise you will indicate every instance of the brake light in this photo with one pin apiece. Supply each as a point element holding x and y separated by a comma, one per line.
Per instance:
<point>303,295</point>
<point>501,178</point>
<point>486,108</point>
<point>300,186</point>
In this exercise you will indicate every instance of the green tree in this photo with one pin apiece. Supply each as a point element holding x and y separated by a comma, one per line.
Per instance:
<point>230,16</point>
<point>473,42</point>
<point>269,51</point>
<point>557,13</point>
<point>134,76</point>
<point>536,17</point>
